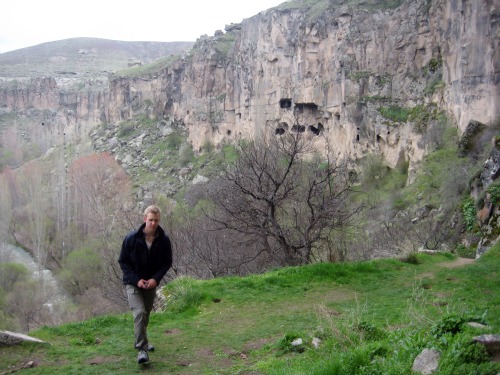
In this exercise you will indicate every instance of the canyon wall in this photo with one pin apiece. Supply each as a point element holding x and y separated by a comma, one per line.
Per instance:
<point>325,70</point>
<point>328,73</point>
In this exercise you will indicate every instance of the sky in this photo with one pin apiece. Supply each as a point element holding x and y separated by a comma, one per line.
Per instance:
<point>25,23</point>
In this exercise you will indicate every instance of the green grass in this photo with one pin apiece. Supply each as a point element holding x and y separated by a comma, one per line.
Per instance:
<point>372,317</point>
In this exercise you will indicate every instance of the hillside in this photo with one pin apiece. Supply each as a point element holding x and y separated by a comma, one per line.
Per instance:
<point>80,57</point>
<point>366,317</point>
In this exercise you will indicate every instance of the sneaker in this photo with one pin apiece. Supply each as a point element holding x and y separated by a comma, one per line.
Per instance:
<point>142,357</point>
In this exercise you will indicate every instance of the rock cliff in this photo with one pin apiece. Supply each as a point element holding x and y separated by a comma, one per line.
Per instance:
<point>353,79</point>
<point>328,70</point>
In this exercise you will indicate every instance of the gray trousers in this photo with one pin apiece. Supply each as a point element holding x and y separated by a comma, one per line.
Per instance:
<point>141,303</point>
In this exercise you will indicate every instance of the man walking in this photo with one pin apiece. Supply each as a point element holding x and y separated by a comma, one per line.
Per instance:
<point>145,258</point>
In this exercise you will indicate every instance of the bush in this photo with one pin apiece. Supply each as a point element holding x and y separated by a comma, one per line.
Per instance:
<point>186,155</point>
<point>10,273</point>
<point>174,141</point>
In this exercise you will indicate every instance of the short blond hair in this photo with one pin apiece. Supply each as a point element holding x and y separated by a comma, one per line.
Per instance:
<point>152,209</point>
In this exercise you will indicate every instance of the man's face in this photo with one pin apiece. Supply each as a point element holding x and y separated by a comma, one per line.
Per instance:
<point>152,220</point>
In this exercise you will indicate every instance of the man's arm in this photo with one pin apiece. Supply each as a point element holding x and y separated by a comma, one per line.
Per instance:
<point>129,275</point>
<point>166,261</point>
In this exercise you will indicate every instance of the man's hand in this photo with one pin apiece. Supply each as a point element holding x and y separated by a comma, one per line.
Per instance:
<point>151,283</point>
<point>147,284</point>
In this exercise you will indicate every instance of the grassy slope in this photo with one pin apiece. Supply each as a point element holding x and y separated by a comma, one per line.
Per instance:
<point>84,56</point>
<point>243,332</point>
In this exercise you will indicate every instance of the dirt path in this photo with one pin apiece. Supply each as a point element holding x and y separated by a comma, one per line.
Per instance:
<point>459,262</point>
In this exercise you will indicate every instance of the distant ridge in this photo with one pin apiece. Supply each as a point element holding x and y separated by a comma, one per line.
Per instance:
<point>84,56</point>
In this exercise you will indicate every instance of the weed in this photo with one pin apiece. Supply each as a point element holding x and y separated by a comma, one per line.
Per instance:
<point>451,323</point>
<point>465,252</point>
<point>369,331</point>
<point>433,86</point>
<point>411,258</point>
<point>494,191</point>
<point>224,43</point>
<point>435,64</point>
<point>359,75</point>
<point>291,342</point>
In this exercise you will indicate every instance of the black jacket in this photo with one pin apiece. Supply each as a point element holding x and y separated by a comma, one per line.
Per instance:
<point>137,262</point>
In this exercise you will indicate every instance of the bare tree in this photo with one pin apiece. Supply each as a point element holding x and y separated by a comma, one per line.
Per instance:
<point>101,195</point>
<point>5,209</point>
<point>280,195</point>
<point>100,188</point>
<point>36,206</point>
<point>206,253</point>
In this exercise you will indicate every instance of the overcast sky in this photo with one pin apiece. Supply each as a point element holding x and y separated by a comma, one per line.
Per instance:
<point>26,23</point>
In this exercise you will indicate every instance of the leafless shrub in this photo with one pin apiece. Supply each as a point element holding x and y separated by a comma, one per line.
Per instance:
<point>279,195</point>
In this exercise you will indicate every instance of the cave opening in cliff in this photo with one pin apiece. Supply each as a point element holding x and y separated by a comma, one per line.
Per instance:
<point>298,128</point>
<point>301,107</point>
<point>285,103</point>
<point>281,129</point>
<point>316,130</point>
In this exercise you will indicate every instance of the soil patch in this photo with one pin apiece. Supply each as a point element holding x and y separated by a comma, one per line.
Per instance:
<point>459,262</point>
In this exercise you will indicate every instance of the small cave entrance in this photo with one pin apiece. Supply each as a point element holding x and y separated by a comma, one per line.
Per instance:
<point>285,103</point>
<point>298,128</point>
<point>316,130</point>
<point>281,129</point>
<point>301,107</point>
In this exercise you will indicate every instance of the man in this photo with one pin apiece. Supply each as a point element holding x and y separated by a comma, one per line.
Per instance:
<point>145,257</point>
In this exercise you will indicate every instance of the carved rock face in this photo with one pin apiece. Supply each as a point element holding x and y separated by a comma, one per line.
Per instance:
<point>335,70</point>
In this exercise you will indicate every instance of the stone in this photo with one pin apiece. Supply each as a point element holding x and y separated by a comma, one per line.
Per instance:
<point>427,362</point>
<point>316,342</point>
<point>491,343</point>
<point>8,338</point>
<point>199,179</point>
